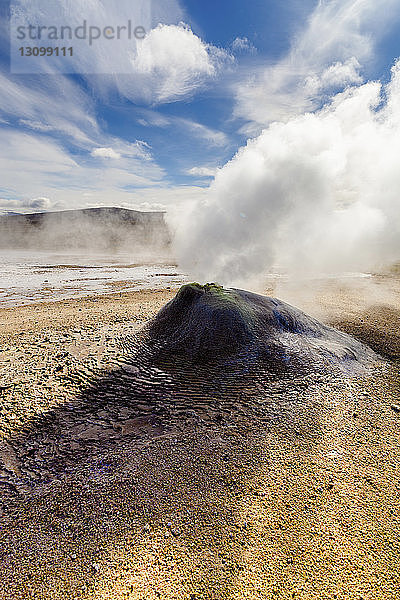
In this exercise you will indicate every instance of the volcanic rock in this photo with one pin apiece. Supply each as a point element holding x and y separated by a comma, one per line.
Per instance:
<point>210,323</point>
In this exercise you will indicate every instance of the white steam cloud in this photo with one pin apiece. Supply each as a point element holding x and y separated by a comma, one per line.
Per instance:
<point>318,193</point>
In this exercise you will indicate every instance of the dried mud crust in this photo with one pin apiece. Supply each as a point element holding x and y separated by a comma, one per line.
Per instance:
<point>121,481</point>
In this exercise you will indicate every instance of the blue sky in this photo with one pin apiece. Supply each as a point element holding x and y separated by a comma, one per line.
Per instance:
<point>149,129</point>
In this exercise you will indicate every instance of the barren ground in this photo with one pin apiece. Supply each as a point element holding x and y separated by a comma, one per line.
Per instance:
<point>288,490</point>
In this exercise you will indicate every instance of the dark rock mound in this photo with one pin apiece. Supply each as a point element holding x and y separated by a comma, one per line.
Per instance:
<point>210,324</point>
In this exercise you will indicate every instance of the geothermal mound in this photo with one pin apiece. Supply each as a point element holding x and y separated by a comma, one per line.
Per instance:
<point>211,324</point>
<point>210,355</point>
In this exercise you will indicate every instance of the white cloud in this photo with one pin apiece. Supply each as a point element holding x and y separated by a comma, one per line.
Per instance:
<point>152,118</point>
<point>149,207</point>
<point>70,111</point>
<point>169,64</point>
<point>40,203</point>
<point>202,171</point>
<point>105,153</point>
<point>242,44</point>
<point>37,166</point>
<point>327,53</point>
<point>24,154</point>
<point>139,150</point>
<point>36,125</point>
<point>172,198</point>
<point>55,112</point>
<point>338,75</point>
<point>26,205</point>
<point>212,136</point>
<point>172,62</point>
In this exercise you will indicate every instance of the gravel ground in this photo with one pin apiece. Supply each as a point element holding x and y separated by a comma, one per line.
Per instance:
<point>279,489</point>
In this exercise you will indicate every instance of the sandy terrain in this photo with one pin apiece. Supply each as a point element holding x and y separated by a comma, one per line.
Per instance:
<point>285,489</point>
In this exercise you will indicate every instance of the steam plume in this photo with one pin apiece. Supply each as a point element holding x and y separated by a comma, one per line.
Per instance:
<point>315,194</point>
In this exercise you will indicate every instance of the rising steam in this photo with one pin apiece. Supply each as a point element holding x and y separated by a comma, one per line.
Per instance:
<point>318,193</point>
<point>92,230</point>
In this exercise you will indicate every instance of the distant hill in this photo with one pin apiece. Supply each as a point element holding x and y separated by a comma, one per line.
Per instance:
<point>98,229</point>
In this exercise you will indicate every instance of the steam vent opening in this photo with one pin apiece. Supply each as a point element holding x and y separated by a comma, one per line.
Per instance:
<point>210,323</point>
